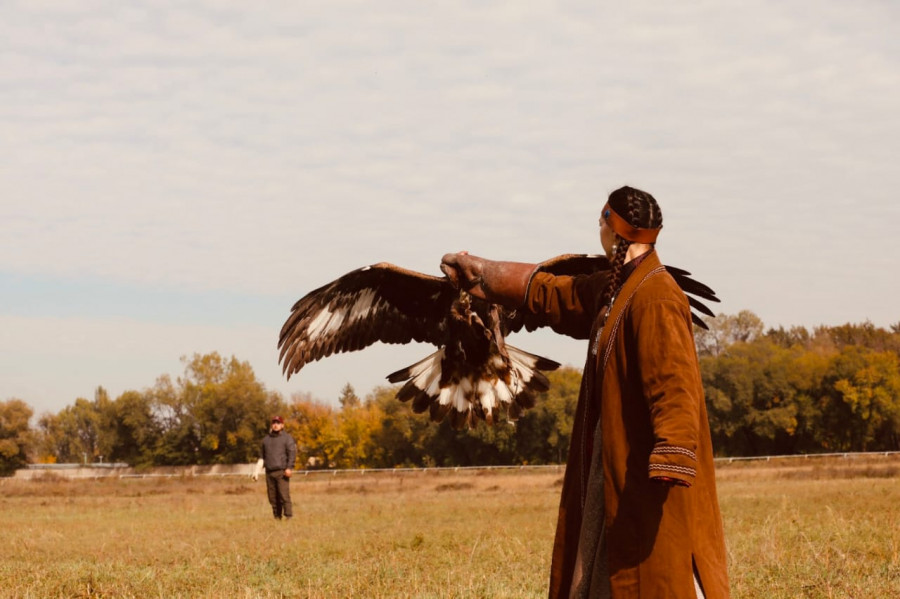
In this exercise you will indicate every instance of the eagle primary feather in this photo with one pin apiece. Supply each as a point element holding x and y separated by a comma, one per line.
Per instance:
<point>473,374</point>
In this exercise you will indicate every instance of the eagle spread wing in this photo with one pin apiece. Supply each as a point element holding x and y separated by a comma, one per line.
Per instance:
<point>474,374</point>
<point>381,302</point>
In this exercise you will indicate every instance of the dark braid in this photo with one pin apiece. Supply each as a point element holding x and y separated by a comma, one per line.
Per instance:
<point>616,265</point>
<point>641,210</point>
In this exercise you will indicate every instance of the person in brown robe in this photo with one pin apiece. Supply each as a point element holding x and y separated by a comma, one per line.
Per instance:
<point>638,514</point>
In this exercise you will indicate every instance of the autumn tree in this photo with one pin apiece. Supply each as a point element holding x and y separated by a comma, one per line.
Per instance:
<point>15,435</point>
<point>105,420</point>
<point>179,438</point>
<point>725,330</point>
<point>314,427</point>
<point>543,433</point>
<point>73,434</point>
<point>760,397</point>
<point>137,431</point>
<point>84,432</point>
<point>231,408</point>
<point>481,445</point>
<point>215,413</point>
<point>50,440</point>
<point>861,400</point>
<point>357,425</point>
<point>863,334</point>
<point>790,337</point>
<point>348,398</point>
<point>400,438</point>
<point>790,391</point>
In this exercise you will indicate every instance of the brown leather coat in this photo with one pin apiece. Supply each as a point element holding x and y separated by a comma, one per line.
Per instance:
<point>642,376</point>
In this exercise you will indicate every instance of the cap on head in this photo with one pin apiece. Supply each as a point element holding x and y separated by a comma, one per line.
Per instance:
<point>277,419</point>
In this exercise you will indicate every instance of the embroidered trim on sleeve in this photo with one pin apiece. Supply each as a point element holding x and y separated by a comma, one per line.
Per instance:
<point>670,449</point>
<point>686,470</point>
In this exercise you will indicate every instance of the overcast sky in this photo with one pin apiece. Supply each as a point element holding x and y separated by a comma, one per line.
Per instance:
<point>173,176</point>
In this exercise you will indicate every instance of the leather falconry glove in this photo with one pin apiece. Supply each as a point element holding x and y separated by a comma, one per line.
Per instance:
<point>503,283</point>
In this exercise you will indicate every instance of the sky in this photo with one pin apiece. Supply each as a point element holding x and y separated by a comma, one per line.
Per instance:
<point>174,175</point>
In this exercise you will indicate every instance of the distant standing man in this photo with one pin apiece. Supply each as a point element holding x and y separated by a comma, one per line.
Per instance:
<point>278,454</point>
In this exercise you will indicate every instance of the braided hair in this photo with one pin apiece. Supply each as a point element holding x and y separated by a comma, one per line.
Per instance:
<point>640,209</point>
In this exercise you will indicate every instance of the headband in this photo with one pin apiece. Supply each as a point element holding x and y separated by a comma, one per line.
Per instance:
<point>626,230</point>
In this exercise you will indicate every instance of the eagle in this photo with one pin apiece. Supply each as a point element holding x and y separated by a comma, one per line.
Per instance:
<point>474,374</point>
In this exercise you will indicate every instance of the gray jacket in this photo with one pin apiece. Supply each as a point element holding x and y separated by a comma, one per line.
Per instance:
<point>278,451</point>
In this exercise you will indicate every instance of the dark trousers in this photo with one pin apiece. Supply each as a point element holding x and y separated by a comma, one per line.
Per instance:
<point>279,490</point>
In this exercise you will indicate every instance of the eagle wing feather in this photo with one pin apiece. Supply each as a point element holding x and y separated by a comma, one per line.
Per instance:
<point>381,302</point>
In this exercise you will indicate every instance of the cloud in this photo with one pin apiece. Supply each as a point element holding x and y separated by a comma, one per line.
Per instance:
<point>218,147</point>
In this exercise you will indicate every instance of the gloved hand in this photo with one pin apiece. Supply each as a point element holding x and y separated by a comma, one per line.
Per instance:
<point>500,282</point>
<point>257,468</point>
<point>463,270</point>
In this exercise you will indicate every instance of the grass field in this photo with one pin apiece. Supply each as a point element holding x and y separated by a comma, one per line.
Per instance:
<point>828,529</point>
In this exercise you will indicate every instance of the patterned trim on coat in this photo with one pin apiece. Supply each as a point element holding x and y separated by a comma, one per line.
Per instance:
<point>671,449</point>
<point>686,470</point>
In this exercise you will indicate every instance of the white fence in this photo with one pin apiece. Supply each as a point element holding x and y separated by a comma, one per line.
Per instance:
<point>808,456</point>
<point>96,471</point>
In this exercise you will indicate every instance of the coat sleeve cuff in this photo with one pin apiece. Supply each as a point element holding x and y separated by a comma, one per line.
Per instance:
<point>669,461</point>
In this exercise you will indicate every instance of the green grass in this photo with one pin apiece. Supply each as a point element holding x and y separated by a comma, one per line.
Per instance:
<point>817,531</point>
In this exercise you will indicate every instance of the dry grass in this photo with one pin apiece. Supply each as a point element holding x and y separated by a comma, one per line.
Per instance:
<point>829,530</point>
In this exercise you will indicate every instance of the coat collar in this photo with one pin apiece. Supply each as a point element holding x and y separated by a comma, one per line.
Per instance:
<point>648,266</point>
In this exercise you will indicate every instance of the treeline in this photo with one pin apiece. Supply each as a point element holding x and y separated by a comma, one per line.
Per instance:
<point>768,392</point>
<point>217,412</point>
<point>382,432</point>
<point>790,391</point>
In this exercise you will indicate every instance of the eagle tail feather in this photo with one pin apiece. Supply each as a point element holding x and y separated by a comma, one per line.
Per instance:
<point>438,411</point>
<point>527,379</point>
<point>466,400</point>
<point>422,381</point>
<point>528,366</point>
<point>424,371</point>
